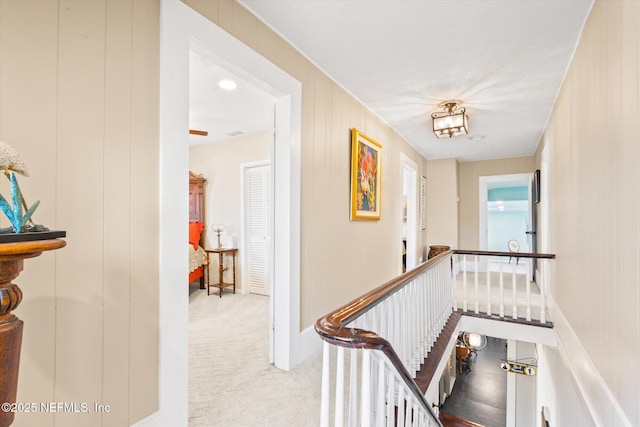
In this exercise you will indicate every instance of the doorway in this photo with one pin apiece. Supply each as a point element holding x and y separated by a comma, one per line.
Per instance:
<point>506,217</point>
<point>179,25</point>
<point>409,213</point>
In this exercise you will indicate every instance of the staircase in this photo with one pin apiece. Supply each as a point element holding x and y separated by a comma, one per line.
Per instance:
<point>382,351</point>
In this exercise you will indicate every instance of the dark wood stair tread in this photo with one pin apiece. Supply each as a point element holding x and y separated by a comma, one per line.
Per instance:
<point>428,368</point>
<point>449,420</point>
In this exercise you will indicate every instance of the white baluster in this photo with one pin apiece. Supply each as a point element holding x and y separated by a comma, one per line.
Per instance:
<point>528,292</point>
<point>424,316</point>
<point>437,300</point>
<point>380,407</point>
<point>439,278</point>
<point>400,420</point>
<point>339,411</point>
<point>414,329</point>
<point>464,283</point>
<point>418,327</point>
<point>365,398</point>
<point>366,321</point>
<point>541,284</point>
<point>409,327</point>
<point>454,294</point>
<point>501,288</point>
<point>391,396</point>
<point>432,311</point>
<point>353,389</point>
<point>476,284</point>
<point>488,286</point>
<point>515,292</point>
<point>421,322</point>
<point>445,292</point>
<point>396,323</point>
<point>324,405</point>
<point>407,420</point>
<point>389,318</point>
<point>382,320</point>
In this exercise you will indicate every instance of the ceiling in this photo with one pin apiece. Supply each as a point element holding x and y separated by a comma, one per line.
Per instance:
<point>504,59</point>
<point>224,114</point>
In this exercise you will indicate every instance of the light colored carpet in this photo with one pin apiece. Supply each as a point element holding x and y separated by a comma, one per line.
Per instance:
<point>231,382</point>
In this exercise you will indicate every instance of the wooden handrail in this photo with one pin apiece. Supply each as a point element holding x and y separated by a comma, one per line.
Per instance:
<point>332,326</point>
<point>332,329</point>
<point>505,254</point>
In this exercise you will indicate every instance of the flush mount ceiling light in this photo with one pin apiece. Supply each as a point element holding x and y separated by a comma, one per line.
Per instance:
<point>227,84</point>
<point>450,122</point>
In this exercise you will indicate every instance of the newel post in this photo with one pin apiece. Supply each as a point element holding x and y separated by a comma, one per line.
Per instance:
<point>12,256</point>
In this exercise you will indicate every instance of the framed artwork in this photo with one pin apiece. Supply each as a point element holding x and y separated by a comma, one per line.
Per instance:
<point>423,202</point>
<point>366,184</point>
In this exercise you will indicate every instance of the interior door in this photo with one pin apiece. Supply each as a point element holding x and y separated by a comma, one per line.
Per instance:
<point>258,225</point>
<point>534,197</point>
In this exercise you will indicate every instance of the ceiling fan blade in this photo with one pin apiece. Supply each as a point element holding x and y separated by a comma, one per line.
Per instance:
<point>198,132</point>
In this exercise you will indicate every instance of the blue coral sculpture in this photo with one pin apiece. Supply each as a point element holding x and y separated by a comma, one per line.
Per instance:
<point>10,162</point>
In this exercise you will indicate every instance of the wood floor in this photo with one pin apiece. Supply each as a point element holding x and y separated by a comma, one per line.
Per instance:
<point>480,394</point>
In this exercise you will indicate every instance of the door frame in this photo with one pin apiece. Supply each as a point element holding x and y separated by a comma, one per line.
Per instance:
<point>179,24</point>
<point>245,244</point>
<point>543,231</point>
<point>412,205</point>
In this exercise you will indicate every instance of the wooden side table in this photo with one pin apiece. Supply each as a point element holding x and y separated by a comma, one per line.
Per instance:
<point>221,269</point>
<point>12,256</point>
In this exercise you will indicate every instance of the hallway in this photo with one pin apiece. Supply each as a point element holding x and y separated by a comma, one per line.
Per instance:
<point>480,394</point>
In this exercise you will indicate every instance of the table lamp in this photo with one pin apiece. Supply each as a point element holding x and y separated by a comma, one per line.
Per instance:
<point>218,228</point>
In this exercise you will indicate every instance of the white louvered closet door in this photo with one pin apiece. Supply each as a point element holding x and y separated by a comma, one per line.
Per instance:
<point>258,226</point>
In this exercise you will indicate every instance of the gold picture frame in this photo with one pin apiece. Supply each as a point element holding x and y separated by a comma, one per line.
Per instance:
<point>366,173</point>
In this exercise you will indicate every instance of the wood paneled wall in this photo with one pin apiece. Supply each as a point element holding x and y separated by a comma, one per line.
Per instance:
<point>594,194</point>
<point>79,102</point>
<point>340,259</point>
<point>442,202</point>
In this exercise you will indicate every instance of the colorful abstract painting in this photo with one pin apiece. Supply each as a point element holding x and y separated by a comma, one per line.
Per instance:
<point>365,177</point>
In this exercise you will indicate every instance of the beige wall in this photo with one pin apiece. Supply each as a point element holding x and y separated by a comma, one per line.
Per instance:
<point>220,162</point>
<point>359,250</point>
<point>470,172</point>
<point>593,136</point>
<point>79,102</point>
<point>442,202</point>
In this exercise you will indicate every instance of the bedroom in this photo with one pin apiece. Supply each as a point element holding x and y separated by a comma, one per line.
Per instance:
<point>231,132</point>
<point>230,146</point>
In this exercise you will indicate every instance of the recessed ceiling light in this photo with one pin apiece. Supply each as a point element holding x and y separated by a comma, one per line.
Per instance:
<point>227,84</point>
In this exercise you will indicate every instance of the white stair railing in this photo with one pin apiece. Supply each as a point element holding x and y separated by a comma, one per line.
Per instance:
<point>390,330</point>
<point>509,287</point>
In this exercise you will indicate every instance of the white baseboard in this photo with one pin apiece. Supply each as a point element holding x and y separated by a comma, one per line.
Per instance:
<point>601,403</point>
<point>310,343</point>
<point>151,420</point>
